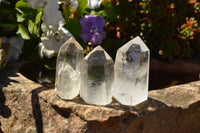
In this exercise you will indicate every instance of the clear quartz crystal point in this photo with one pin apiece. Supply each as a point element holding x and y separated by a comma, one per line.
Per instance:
<point>68,69</point>
<point>131,73</point>
<point>97,77</point>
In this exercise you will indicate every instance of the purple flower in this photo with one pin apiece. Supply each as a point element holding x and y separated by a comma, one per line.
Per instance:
<point>92,29</point>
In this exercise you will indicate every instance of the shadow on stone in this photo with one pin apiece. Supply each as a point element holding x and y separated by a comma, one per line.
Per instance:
<point>4,110</point>
<point>0,128</point>
<point>79,100</point>
<point>36,109</point>
<point>64,112</point>
<point>145,107</point>
<point>5,73</point>
<point>38,73</point>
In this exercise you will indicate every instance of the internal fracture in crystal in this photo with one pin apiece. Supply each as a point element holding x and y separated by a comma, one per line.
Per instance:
<point>97,77</point>
<point>68,69</point>
<point>131,73</point>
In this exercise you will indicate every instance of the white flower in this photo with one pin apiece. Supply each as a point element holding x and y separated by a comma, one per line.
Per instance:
<point>74,3</point>
<point>53,3</point>
<point>52,41</point>
<point>36,4</point>
<point>51,15</point>
<point>93,4</point>
<point>54,32</point>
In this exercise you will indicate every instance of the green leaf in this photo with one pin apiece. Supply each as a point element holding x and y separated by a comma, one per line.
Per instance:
<point>6,11</point>
<point>23,32</point>
<point>23,7</point>
<point>26,10</point>
<point>19,18</point>
<point>50,67</point>
<point>50,63</point>
<point>108,12</point>
<point>38,16</point>
<point>9,26</point>
<point>82,6</point>
<point>30,15</point>
<point>34,28</point>
<point>74,27</point>
<point>31,26</point>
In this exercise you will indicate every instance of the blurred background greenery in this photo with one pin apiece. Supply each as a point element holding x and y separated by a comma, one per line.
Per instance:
<point>171,29</point>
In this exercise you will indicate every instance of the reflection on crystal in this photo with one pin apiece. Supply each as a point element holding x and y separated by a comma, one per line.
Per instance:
<point>97,77</point>
<point>68,69</point>
<point>131,73</point>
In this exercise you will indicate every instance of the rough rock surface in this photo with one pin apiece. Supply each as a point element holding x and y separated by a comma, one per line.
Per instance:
<point>28,107</point>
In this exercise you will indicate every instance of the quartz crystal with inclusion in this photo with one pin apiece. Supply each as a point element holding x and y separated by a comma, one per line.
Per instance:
<point>97,77</point>
<point>68,69</point>
<point>131,73</point>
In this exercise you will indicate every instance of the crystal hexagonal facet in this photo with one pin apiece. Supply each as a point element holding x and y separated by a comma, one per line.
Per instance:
<point>68,69</point>
<point>97,77</point>
<point>131,73</point>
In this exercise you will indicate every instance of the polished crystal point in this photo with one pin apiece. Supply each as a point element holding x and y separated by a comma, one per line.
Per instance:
<point>131,73</point>
<point>68,69</point>
<point>97,77</point>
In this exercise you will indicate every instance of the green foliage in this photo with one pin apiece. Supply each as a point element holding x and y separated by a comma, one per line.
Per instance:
<point>34,26</point>
<point>169,48</point>
<point>29,19</point>
<point>169,28</point>
<point>107,10</point>
<point>29,28</point>
<point>8,24</point>
<point>189,29</point>
<point>23,32</point>
<point>82,7</point>
<point>74,27</point>
<point>49,63</point>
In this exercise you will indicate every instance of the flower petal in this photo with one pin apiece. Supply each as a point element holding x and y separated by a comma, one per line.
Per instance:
<point>36,4</point>
<point>100,22</point>
<point>92,29</point>
<point>85,36</point>
<point>74,3</point>
<point>92,4</point>
<point>87,22</point>
<point>98,37</point>
<point>50,11</point>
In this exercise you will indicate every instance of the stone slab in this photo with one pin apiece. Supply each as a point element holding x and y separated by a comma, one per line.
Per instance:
<point>28,107</point>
